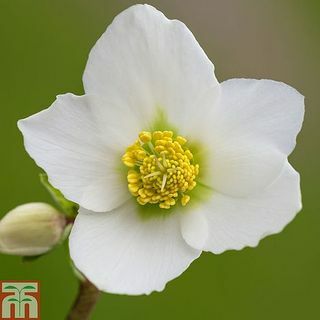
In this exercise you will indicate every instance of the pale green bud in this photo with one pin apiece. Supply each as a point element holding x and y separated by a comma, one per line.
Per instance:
<point>31,229</point>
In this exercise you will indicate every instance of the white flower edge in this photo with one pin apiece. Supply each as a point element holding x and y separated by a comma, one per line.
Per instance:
<point>247,129</point>
<point>70,140</point>
<point>253,130</point>
<point>122,252</point>
<point>78,140</point>
<point>235,223</point>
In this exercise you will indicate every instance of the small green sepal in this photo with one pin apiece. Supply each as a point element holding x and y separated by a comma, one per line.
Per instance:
<point>69,208</point>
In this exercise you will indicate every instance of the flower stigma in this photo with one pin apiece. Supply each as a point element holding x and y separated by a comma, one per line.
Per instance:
<point>162,169</point>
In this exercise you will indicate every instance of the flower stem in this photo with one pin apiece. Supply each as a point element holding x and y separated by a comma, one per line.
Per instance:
<point>88,296</point>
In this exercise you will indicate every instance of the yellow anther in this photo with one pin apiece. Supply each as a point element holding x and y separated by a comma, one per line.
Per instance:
<point>168,134</point>
<point>133,188</point>
<point>185,199</point>
<point>164,205</point>
<point>161,169</point>
<point>181,140</point>
<point>133,180</point>
<point>159,149</point>
<point>140,154</point>
<point>157,135</point>
<point>189,154</point>
<point>145,136</point>
<point>141,201</point>
<point>161,142</point>
<point>129,162</point>
<point>177,147</point>
<point>192,185</point>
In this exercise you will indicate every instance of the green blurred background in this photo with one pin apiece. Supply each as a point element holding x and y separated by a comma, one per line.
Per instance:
<point>44,48</point>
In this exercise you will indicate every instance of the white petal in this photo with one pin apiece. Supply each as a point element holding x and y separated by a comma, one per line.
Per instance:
<point>194,228</point>
<point>151,63</point>
<point>240,168</point>
<point>235,223</point>
<point>254,127</point>
<point>78,145</point>
<point>268,110</point>
<point>123,252</point>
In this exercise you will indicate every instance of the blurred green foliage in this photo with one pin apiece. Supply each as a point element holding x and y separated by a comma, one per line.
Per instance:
<point>44,48</point>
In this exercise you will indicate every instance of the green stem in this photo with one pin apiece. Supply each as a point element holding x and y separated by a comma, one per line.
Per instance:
<point>87,298</point>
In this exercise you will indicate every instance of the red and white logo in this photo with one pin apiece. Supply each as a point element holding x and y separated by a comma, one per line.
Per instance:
<point>19,300</point>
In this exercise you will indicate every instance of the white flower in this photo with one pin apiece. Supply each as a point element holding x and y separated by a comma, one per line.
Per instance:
<point>148,77</point>
<point>31,229</point>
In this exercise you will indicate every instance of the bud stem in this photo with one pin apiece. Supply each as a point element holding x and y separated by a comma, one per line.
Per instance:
<point>87,298</point>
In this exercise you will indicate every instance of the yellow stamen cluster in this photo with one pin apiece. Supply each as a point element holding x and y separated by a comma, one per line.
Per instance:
<point>161,169</point>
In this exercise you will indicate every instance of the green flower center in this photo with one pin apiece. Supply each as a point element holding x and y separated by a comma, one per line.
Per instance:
<point>162,169</point>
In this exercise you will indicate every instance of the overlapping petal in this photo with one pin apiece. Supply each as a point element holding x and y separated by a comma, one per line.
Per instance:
<point>194,228</point>
<point>264,109</point>
<point>78,142</point>
<point>124,252</point>
<point>254,128</point>
<point>152,64</point>
<point>235,223</point>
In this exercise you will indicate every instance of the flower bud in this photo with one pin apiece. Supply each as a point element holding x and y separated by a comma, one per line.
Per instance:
<point>31,229</point>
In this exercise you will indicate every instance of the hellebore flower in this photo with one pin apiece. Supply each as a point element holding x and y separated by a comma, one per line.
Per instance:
<point>31,229</point>
<point>163,160</point>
